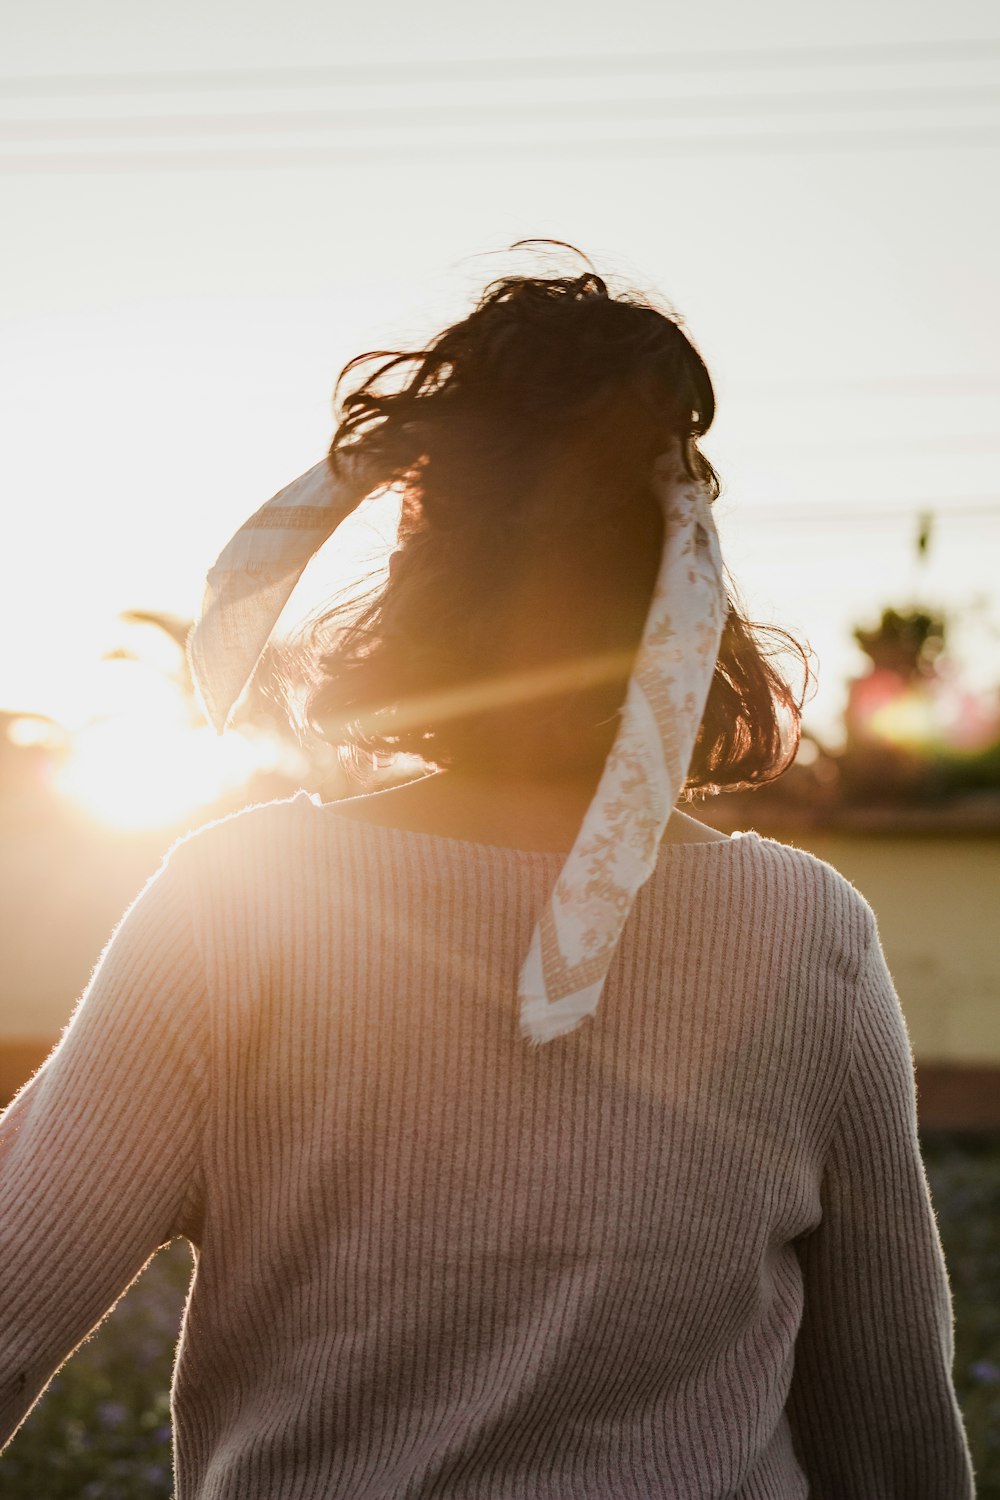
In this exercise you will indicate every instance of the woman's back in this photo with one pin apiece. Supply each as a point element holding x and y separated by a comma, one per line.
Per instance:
<point>433,1261</point>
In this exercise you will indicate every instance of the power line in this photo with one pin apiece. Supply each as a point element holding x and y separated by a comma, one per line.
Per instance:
<point>826,515</point>
<point>885,443</point>
<point>970,442</point>
<point>463,114</point>
<point>583,151</point>
<point>901,385</point>
<point>477,69</point>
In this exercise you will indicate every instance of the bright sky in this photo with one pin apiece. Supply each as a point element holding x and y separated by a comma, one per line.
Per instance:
<point>179,292</point>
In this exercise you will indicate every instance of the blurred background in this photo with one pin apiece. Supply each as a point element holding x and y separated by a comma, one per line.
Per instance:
<point>211,207</point>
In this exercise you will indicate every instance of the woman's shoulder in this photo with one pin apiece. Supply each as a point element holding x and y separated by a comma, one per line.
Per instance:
<point>793,881</point>
<point>793,860</point>
<point>250,834</point>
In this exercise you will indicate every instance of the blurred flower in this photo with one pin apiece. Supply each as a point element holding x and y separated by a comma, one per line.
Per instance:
<point>111,1414</point>
<point>149,1352</point>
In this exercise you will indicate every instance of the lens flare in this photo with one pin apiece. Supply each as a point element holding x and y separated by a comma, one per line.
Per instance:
<point>134,775</point>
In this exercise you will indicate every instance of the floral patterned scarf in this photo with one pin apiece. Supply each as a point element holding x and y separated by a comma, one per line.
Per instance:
<point>616,848</point>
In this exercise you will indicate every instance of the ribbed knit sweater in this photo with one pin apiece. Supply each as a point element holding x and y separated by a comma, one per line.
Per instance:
<point>687,1251</point>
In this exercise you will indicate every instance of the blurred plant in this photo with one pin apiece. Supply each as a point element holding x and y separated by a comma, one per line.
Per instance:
<point>176,629</point>
<point>905,642</point>
<point>262,713</point>
<point>914,731</point>
<point>963,1170</point>
<point>102,1429</point>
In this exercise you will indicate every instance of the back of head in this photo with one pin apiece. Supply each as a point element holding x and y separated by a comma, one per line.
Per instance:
<point>523,438</point>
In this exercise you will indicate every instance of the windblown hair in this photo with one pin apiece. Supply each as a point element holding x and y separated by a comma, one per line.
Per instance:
<point>523,440</point>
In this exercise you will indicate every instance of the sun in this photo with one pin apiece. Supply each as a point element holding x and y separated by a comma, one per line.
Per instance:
<point>141,775</point>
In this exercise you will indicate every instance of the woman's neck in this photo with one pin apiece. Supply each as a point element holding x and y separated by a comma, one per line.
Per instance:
<point>513,811</point>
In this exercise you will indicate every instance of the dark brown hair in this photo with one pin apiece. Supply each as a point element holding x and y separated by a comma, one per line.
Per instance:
<point>523,439</point>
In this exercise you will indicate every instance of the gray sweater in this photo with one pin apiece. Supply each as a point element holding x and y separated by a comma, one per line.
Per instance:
<point>686,1252</point>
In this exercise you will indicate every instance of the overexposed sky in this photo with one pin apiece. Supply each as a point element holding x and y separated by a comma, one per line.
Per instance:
<point>188,262</point>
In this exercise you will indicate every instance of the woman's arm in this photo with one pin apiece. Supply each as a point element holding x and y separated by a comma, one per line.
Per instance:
<point>99,1154</point>
<point>872,1405</point>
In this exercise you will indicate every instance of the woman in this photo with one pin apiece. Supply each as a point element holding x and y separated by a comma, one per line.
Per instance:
<point>533,1138</point>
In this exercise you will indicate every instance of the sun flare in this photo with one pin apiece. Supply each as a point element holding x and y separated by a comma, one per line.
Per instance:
<point>135,775</point>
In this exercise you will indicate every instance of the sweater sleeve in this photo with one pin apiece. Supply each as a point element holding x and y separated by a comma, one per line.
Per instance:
<point>872,1406</point>
<point>99,1153</point>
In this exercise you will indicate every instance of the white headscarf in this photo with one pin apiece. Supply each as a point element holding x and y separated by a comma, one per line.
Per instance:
<point>616,848</point>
